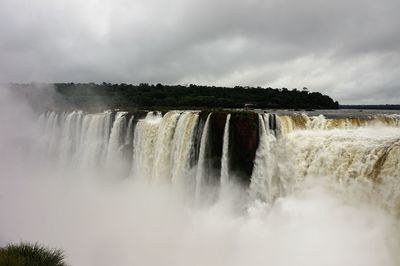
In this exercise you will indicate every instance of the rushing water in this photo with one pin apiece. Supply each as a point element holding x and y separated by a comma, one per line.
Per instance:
<point>116,189</point>
<point>225,154</point>
<point>163,146</point>
<point>202,169</point>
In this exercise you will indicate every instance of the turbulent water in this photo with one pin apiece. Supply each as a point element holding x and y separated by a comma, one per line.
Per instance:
<point>114,188</point>
<point>169,147</point>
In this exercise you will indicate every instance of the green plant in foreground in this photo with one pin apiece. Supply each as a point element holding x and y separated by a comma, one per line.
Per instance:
<point>27,254</point>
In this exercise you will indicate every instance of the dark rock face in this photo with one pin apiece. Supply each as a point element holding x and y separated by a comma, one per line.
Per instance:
<point>243,143</point>
<point>137,115</point>
<point>213,147</point>
<point>197,140</point>
<point>217,126</point>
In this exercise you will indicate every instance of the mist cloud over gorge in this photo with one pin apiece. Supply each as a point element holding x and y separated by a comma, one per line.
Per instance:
<point>18,131</point>
<point>347,49</point>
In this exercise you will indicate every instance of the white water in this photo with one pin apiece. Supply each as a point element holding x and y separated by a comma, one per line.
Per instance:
<point>144,145</point>
<point>320,122</point>
<point>202,169</point>
<point>163,148</point>
<point>183,148</point>
<point>115,160</point>
<point>117,134</point>
<point>265,179</point>
<point>129,133</point>
<point>365,154</point>
<point>162,168</point>
<point>329,215</point>
<point>225,154</point>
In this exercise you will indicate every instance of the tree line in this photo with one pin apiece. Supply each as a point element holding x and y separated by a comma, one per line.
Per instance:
<point>125,96</point>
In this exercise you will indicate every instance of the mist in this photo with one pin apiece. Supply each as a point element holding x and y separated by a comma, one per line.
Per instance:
<point>102,219</point>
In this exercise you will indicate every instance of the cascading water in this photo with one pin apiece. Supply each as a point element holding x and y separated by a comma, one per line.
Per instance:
<point>202,169</point>
<point>265,180</point>
<point>342,149</point>
<point>51,133</point>
<point>290,123</point>
<point>94,140</point>
<point>129,131</point>
<point>183,149</point>
<point>69,137</point>
<point>144,145</point>
<point>163,146</point>
<point>225,155</point>
<point>77,139</point>
<point>162,169</point>
<point>117,138</point>
<point>363,153</point>
<point>291,148</point>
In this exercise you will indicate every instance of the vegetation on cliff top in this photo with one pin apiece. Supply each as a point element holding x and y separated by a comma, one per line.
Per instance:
<point>127,96</point>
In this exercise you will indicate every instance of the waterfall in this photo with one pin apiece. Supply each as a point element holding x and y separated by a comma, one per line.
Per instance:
<point>342,148</point>
<point>115,161</point>
<point>144,145</point>
<point>225,155</point>
<point>70,136</point>
<point>162,148</point>
<point>372,153</point>
<point>290,123</point>
<point>51,133</point>
<point>162,169</point>
<point>129,132</point>
<point>81,140</point>
<point>183,149</point>
<point>94,140</point>
<point>117,135</point>
<point>264,181</point>
<point>202,170</point>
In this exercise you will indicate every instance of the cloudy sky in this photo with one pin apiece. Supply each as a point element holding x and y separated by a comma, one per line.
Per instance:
<point>348,49</point>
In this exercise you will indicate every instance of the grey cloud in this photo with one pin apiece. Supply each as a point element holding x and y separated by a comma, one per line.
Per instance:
<point>347,49</point>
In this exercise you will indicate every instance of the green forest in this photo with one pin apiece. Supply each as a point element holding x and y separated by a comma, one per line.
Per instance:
<point>145,96</point>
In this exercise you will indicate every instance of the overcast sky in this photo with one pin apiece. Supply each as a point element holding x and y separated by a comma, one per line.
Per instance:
<point>348,49</point>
